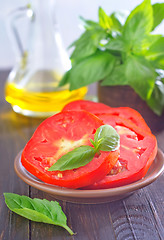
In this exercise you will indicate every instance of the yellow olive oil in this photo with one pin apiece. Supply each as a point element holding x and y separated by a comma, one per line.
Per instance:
<point>38,100</point>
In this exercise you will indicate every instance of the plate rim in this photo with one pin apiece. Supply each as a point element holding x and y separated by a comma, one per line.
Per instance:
<point>62,192</point>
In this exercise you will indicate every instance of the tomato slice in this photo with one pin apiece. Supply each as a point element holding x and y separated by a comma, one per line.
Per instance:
<point>138,149</point>
<point>88,106</point>
<point>98,108</point>
<point>58,135</point>
<point>130,114</point>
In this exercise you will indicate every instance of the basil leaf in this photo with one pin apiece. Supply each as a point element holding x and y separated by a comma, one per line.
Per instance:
<point>138,24</point>
<point>146,43</point>
<point>117,26</point>
<point>140,75</point>
<point>117,77</point>
<point>116,45</point>
<point>156,101</point>
<point>88,43</point>
<point>106,138</point>
<point>104,20</point>
<point>89,24</point>
<point>65,79</point>
<point>121,17</point>
<point>156,49</point>
<point>37,210</point>
<point>76,158</point>
<point>158,13</point>
<point>90,70</point>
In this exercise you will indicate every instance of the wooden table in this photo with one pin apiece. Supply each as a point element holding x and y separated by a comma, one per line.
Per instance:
<point>139,217</point>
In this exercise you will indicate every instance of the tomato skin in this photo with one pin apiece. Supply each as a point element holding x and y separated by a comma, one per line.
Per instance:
<point>46,146</point>
<point>99,108</point>
<point>89,106</point>
<point>136,169</point>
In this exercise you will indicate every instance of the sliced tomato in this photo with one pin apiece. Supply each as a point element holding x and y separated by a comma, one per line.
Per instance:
<point>58,135</point>
<point>130,114</point>
<point>98,108</point>
<point>138,149</point>
<point>88,106</point>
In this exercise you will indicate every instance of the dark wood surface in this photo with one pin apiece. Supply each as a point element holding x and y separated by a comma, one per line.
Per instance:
<point>138,217</point>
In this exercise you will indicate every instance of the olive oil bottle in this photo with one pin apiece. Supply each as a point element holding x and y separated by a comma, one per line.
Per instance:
<point>40,98</point>
<point>32,86</point>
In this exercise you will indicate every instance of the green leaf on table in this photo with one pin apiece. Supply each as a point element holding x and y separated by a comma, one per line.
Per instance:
<point>158,13</point>
<point>140,75</point>
<point>156,101</point>
<point>90,70</point>
<point>116,77</point>
<point>37,210</point>
<point>88,43</point>
<point>138,24</point>
<point>76,158</point>
<point>106,138</point>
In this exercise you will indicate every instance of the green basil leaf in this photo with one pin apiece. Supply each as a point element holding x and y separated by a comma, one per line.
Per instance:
<point>89,24</point>
<point>121,17</point>
<point>146,43</point>
<point>104,20</point>
<point>116,45</point>
<point>140,75</point>
<point>117,77</point>
<point>138,24</point>
<point>76,158</point>
<point>106,138</point>
<point>116,26</point>
<point>64,80</point>
<point>91,69</point>
<point>37,210</point>
<point>156,49</point>
<point>156,101</point>
<point>158,13</point>
<point>88,43</point>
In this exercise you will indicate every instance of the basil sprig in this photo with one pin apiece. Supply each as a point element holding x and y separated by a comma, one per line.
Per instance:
<point>122,50</point>
<point>37,210</point>
<point>105,139</point>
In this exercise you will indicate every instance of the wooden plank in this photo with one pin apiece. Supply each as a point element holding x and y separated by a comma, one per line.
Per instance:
<point>133,218</point>
<point>12,139</point>
<point>12,226</point>
<point>87,221</point>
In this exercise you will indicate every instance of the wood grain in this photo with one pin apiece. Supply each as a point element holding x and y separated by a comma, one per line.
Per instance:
<point>138,217</point>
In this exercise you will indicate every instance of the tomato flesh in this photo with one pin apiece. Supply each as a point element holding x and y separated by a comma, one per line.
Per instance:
<point>138,149</point>
<point>99,108</point>
<point>58,135</point>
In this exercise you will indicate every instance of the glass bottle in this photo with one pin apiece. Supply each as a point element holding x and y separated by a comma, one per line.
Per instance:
<point>32,86</point>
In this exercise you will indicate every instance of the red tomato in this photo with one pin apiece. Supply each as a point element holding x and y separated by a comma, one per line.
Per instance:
<point>88,106</point>
<point>58,135</point>
<point>98,108</point>
<point>138,149</point>
<point>130,114</point>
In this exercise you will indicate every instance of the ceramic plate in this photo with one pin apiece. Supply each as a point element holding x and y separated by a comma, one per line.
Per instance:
<point>91,196</point>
